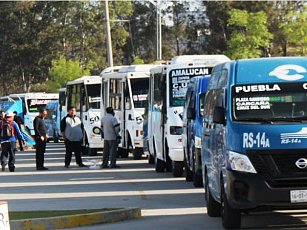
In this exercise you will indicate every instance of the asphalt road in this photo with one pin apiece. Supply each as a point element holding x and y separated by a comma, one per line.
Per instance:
<point>166,202</point>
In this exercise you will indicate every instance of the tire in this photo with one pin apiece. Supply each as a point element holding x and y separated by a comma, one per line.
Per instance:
<point>92,152</point>
<point>168,164</point>
<point>213,207</point>
<point>159,165</point>
<point>177,168</point>
<point>231,218</point>
<point>151,159</point>
<point>123,153</point>
<point>197,180</point>
<point>137,153</point>
<point>188,172</point>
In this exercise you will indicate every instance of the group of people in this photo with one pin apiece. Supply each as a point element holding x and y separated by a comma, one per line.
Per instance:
<point>72,130</point>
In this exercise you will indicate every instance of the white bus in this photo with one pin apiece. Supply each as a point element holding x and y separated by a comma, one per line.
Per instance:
<point>27,105</point>
<point>168,85</point>
<point>84,94</point>
<point>126,91</point>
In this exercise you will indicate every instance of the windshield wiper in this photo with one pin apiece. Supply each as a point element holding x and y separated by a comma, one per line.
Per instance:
<point>290,119</point>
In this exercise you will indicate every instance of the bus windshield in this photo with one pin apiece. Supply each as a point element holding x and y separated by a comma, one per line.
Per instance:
<point>140,89</point>
<point>35,105</point>
<point>93,93</point>
<point>270,102</point>
<point>179,79</point>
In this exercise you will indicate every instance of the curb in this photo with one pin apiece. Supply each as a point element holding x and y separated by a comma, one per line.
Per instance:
<point>79,220</point>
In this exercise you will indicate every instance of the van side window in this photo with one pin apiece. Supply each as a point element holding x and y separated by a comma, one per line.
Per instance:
<point>202,104</point>
<point>158,86</point>
<point>115,94</point>
<point>223,79</point>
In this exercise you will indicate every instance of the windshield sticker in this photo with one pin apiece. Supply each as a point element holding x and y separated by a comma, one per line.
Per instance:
<point>180,85</point>
<point>293,138</point>
<point>255,140</point>
<point>289,72</point>
<point>140,97</point>
<point>252,103</point>
<point>35,102</point>
<point>257,88</point>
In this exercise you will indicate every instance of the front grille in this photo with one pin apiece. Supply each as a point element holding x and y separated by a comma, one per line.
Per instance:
<point>288,183</point>
<point>278,163</point>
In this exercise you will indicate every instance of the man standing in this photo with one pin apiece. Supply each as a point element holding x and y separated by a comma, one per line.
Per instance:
<point>110,128</point>
<point>72,132</point>
<point>19,122</point>
<point>8,132</point>
<point>40,130</point>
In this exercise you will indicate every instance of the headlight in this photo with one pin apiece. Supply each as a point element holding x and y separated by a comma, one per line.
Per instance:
<point>97,130</point>
<point>239,162</point>
<point>175,130</point>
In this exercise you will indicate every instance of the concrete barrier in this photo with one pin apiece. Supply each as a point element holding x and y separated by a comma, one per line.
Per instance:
<point>78,220</point>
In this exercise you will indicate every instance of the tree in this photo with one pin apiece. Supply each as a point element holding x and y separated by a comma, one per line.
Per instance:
<point>64,70</point>
<point>250,35</point>
<point>295,30</point>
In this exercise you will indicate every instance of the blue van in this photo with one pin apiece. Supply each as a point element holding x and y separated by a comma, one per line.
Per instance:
<point>192,128</point>
<point>255,137</point>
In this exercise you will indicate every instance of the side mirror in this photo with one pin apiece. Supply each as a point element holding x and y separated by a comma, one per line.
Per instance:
<point>219,115</point>
<point>191,113</point>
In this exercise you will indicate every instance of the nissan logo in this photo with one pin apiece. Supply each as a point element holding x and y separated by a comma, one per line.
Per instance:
<point>301,163</point>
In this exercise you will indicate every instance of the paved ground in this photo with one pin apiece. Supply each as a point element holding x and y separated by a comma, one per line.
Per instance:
<point>166,202</point>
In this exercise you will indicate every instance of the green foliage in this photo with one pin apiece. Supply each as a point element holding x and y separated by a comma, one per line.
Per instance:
<point>250,35</point>
<point>137,61</point>
<point>295,29</point>
<point>64,70</point>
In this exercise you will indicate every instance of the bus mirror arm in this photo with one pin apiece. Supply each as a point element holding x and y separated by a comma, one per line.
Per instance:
<point>219,115</point>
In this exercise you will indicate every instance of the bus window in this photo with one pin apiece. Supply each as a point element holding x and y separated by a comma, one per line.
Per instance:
<point>115,94</point>
<point>74,92</point>
<point>140,89</point>
<point>93,95</point>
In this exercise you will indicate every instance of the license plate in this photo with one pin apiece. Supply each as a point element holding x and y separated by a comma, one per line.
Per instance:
<point>298,196</point>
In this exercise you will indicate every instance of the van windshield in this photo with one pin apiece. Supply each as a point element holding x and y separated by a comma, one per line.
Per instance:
<point>93,92</point>
<point>140,89</point>
<point>270,102</point>
<point>179,80</point>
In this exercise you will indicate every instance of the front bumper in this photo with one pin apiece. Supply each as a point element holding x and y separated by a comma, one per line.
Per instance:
<point>248,191</point>
<point>176,154</point>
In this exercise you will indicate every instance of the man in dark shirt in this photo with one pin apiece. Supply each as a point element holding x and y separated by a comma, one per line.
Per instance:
<point>40,139</point>
<point>19,122</point>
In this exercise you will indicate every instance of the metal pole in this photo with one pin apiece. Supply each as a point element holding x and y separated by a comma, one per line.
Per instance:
<point>108,32</point>
<point>160,31</point>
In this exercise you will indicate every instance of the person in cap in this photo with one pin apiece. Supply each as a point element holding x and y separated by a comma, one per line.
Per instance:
<point>40,130</point>
<point>9,131</point>
<point>110,129</point>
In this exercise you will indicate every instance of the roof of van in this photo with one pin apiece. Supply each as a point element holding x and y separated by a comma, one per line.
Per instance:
<point>277,69</point>
<point>211,60</point>
<point>86,80</point>
<point>127,69</point>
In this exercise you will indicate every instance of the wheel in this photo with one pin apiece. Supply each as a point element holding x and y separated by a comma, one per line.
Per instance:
<point>177,168</point>
<point>213,207</point>
<point>188,172</point>
<point>231,217</point>
<point>123,153</point>
<point>197,180</point>
<point>137,153</point>
<point>92,152</point>
<point>159,165</point>
<point>168,164</point>
<point>151,159</point>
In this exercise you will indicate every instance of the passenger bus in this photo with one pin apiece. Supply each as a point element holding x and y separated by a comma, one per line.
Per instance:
<point>84,94</point>
<point>125,89</point>
<point>168,85</point>
<point>255,137</point>
<point>27,106</point>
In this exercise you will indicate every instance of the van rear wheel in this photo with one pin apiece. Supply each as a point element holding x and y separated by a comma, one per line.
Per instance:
<point>160,165</point>
<point>188,172</point>
<point>137,153</point>
<point>177,168</point>
<point>197,180</point>
<point>231,217</point>
<point>151,159</point>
